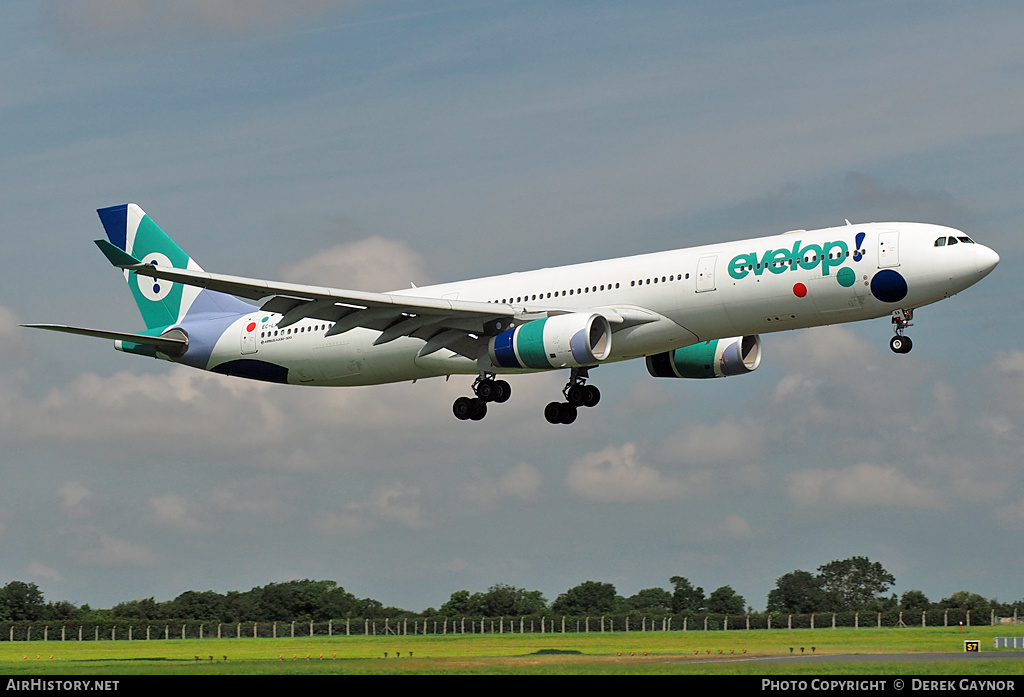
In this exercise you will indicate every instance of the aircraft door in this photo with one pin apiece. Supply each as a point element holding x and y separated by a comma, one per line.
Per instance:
<point>250,328</point>
<point>706,274</point>
<point>888,249</point>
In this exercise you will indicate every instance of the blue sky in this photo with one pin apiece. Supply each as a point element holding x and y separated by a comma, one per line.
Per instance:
<point>373,144</point>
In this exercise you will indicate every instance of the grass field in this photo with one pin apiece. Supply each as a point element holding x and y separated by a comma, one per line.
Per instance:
<point>732,653</point>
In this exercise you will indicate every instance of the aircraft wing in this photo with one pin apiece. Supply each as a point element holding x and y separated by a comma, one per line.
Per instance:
<point>459,325</point>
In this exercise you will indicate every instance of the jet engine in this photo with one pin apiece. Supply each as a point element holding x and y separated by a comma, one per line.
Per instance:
<point>718,358</point>
<point>562,341</point>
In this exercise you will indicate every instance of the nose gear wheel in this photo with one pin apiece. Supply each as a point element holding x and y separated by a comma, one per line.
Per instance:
<point>901,319</point>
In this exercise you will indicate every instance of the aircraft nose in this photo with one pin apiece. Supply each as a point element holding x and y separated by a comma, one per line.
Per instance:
<point>985,259</point>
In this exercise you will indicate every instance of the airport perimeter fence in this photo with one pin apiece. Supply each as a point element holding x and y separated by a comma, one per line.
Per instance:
<point>135,630</point>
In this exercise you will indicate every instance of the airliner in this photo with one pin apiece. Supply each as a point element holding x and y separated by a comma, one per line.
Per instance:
<point>690,313</point>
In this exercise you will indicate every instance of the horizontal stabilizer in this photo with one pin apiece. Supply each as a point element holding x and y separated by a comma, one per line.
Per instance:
<point>116,256</point>
<point>171,345</point>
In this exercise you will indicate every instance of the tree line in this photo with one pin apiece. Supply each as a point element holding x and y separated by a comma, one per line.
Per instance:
<point>850,585</point>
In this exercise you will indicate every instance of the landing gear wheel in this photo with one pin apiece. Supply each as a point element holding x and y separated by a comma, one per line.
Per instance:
<point>502,391</point>
<point>901,344</point>
<point>463,408</point>
<point>576,394</point>
<point>485,390</point>
<point>560,413</point>
<point>480,410</point>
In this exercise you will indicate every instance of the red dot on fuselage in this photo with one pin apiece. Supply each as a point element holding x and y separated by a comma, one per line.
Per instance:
<point>799,290</point>
<point>251,327</point>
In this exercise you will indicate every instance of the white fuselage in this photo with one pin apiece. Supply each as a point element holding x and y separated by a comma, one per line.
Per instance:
<point>788,281</point>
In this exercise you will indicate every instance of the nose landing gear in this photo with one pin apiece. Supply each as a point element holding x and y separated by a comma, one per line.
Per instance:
<point>486,389</point>
<point>901,319</point>
<point>577,394</point>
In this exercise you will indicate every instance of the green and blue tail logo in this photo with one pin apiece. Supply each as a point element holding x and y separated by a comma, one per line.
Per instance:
<point>161,303</point>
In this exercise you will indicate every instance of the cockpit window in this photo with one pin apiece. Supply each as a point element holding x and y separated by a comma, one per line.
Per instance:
<point>951,240</point>
<point>967,240</point>
<point>941,242</point>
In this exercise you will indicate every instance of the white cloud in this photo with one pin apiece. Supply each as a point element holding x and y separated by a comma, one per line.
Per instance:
<point>95,548</point>
<point>392,503</point>
<point>520,482</point>
<point>1011,362</point>
<point>616,474</point>
<point>10,332</point>
<point>792,385</point>
<point>376,264</point>
<point>225,499</point>
<point>395,503</point>
<point>348,524</point>
<point>859,486</point>
<point>174,511</point>
<point>728,441</point>
<point>186,410</point>
<point>116,552</point>
<point>1004,409</point>
<point>737,526</point>
<point>39,570</point>
<point>73,495</point>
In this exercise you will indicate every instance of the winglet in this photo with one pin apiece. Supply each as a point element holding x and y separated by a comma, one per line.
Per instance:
<point>116,256</point>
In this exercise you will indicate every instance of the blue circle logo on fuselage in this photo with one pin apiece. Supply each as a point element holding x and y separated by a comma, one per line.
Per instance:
<point>889,286</point>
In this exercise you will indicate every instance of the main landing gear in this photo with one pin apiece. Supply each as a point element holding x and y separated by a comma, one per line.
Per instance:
<point>486,389</point>
<point>901,320</point>
<point>577,394</point>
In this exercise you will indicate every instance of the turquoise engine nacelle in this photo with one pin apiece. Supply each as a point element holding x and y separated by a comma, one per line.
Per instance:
<point>717,358</point>
<point>571,340</point>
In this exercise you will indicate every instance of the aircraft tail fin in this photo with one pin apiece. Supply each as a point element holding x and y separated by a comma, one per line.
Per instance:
<point>132,231</point>
<point>162,303</point>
